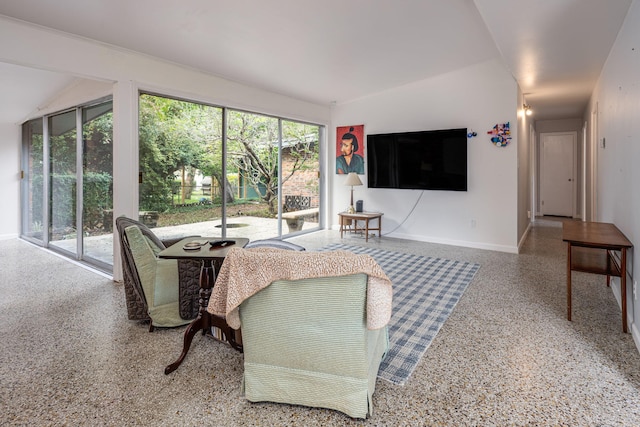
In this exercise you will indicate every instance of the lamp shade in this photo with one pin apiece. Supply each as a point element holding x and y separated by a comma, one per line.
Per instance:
<point>353,179</point>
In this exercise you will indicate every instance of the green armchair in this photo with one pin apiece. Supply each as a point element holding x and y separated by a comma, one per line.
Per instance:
<point>157,278</point>
<point>306,343</point>
<point>188,271</point>
<point>314,325</point>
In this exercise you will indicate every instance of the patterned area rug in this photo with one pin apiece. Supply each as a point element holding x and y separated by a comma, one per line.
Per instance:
<point>425,291</point>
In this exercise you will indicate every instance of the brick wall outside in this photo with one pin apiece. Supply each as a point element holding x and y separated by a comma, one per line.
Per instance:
<point>302,183</point>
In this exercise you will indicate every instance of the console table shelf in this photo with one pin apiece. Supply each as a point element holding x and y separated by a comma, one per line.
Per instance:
<point>594,260</point>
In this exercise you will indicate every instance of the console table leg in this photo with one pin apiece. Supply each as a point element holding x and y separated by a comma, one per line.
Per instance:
<point>569,282</point>
<point>623,288</point>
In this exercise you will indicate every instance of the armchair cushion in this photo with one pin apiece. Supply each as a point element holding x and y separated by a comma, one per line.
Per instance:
<point>159,280</point>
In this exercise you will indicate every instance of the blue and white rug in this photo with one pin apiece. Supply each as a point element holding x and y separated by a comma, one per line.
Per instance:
<point>425,291</point>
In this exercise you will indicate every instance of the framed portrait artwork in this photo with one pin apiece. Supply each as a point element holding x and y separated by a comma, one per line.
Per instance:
<point>350,149</point>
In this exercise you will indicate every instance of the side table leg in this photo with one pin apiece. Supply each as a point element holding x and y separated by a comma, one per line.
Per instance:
<point>203,321</point>
<point>191,331</point>
<point>366,230</point>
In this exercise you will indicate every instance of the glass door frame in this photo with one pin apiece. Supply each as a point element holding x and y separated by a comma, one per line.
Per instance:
<point>46,189</point>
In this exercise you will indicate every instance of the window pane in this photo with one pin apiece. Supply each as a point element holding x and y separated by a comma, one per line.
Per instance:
<point>300,176</point>
<point>183,184</point>
<point>32,184</point>
<point>97,182</point>
<point>62,181</point>
<point>252,160</point>
<point>181,167</point>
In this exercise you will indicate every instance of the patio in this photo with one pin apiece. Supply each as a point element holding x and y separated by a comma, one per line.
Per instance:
<point>253,228</point>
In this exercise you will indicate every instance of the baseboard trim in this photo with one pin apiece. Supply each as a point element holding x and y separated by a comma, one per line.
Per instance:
<point>463,243</point>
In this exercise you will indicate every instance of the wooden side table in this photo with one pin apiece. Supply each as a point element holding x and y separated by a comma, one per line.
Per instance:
<point>207,257</point>
<point>590,249</point>
<point>346,219</point>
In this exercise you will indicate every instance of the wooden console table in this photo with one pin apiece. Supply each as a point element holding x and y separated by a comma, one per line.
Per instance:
<point>346,218</point>
<point>591,247</point>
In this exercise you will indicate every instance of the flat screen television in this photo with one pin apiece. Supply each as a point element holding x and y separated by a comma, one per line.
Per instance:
<point>424,160</point>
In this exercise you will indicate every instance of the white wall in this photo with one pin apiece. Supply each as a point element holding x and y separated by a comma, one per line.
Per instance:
<point>10,179</point>
<point>525,170</point>
<point>617,97</point>
<point>477,97</point>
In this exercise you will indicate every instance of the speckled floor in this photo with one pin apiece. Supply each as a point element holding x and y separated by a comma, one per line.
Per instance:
<point>506,355</point>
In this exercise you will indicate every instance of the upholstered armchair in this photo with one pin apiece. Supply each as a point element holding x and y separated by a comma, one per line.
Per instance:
<point>188,274</point>
<point>315,341</point>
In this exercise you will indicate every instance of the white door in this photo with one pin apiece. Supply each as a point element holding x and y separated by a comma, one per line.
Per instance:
<point>557,173</point>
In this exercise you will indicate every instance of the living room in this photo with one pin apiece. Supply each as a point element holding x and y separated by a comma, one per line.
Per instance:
<point>493,215</point>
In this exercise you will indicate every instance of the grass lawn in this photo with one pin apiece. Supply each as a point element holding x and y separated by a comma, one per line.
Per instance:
<point>201,213</point>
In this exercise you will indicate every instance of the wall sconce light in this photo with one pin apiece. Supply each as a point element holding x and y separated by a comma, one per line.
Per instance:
<point>527,109</point>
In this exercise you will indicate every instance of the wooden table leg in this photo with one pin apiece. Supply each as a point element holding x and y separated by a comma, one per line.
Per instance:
<point>569,282</point>
<point>203,321</point>
<point>623,288</point>
<point>366,229</point>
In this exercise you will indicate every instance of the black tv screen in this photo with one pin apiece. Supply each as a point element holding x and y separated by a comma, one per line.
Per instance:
<point>425,160</point>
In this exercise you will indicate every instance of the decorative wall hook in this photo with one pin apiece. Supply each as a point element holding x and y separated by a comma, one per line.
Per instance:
<point>472,134</point>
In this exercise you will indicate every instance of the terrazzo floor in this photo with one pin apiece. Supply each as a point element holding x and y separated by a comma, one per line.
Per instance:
<point>506,356</point>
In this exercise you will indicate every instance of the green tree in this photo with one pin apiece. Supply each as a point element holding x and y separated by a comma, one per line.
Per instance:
<point>184,136</point>
<point>253,146</point>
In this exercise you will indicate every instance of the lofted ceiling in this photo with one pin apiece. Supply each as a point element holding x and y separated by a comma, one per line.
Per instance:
<point>335,51</point>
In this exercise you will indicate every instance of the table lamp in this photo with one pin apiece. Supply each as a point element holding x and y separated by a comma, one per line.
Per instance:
<point>352,180</point>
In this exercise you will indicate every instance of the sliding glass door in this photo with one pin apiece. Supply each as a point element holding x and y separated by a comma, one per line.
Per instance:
<point>97,183</point>
<point>67,186</point>
<point>32,185</point>
<point>62,181</point>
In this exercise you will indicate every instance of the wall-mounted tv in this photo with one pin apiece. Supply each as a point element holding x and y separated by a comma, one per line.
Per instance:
<point>424,160</point>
